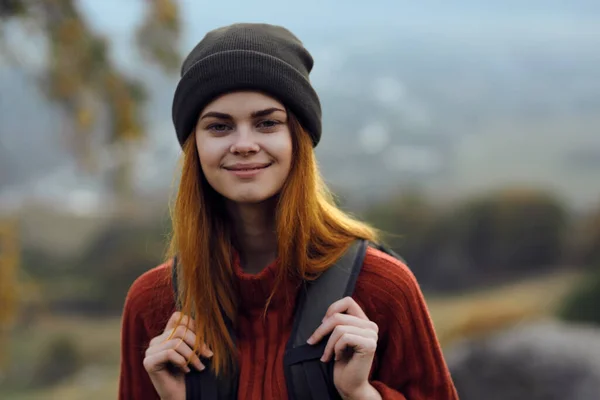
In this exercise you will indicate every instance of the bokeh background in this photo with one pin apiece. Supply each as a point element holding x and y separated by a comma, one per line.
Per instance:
<point>468,131</point>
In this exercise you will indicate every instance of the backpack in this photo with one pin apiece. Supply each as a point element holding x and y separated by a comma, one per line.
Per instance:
<point>306,376</point>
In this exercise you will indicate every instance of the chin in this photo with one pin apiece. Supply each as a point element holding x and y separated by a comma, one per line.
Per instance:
<point>250,197</point>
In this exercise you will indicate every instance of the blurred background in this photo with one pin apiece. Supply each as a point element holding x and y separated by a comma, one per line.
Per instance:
<point>468,131</point>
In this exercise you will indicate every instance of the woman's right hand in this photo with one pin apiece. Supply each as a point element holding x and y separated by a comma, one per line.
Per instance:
<point>169,382</point>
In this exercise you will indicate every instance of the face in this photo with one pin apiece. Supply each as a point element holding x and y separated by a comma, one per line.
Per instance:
<point>245,146</point>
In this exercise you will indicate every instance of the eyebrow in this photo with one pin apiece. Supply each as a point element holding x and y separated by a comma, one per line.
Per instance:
<point>264,113</point>
<point>255,114</point>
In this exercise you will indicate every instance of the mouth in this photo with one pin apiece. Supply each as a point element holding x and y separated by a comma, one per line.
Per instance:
<point>247,167</point>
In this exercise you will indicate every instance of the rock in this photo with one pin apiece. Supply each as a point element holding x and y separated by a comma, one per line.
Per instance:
<point>537,361</point>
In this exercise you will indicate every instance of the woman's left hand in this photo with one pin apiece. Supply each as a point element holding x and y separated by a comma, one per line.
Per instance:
<point>352,344</point>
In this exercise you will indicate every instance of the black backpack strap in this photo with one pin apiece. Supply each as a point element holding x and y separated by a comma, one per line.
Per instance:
<point>383,248</point>
<point>306,376</point>
<point>175,284</point>
<point>204,385</point>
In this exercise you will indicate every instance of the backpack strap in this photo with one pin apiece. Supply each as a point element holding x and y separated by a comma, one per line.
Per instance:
<point>175,284</point>
<point>383,248</point>
<point>306,376</point>
<point>204,385</point>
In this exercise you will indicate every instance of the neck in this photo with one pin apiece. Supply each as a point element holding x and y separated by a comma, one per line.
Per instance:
<point>255,234</point>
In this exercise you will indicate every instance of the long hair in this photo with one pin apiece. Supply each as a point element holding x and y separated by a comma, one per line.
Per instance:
<point>312,233</point>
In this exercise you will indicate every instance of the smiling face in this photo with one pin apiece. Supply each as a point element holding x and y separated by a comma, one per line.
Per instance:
<point>244,145</point>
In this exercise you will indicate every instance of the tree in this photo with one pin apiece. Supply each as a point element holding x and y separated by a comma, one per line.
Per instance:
<point>79,76</point>
<point>9,260</point>
<point>587,240</point>
<point>511,229</point>
<point>408,222</point>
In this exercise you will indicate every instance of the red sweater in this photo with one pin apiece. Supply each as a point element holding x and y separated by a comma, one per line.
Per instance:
<point>408,365</point>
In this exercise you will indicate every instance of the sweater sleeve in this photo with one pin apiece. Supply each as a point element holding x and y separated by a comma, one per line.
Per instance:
<point>409,363</point>
<point>136,332</point>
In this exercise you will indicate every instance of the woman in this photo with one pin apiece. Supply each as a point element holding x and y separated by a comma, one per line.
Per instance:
<point>252,220</point>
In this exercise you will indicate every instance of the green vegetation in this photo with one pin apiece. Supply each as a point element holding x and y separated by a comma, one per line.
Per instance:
<point>583,302</point>
<point>486,240</point>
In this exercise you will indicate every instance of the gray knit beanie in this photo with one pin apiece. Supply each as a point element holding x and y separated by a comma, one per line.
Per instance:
<point>261,57</point>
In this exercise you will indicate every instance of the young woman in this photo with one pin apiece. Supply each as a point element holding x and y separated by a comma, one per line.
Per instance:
<point>252,220</point>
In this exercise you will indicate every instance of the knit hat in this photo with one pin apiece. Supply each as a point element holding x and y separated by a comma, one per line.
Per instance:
<point>247,56</point>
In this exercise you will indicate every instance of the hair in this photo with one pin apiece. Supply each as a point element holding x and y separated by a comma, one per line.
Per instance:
<point>312,233</point>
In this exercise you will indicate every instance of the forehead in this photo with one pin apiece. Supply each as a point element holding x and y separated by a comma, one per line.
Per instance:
<point>242,103</point>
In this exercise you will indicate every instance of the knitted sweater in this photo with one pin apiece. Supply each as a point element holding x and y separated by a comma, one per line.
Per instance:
<point>408,365</point>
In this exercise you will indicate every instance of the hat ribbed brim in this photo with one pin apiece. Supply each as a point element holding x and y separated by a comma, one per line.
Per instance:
<point>235,70</point>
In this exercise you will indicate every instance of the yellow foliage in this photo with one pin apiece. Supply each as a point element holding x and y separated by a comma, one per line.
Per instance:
<point>78,66</point>
<point>9,262</point>
<point>166,11</point>
<point>70,31</point>
<point>485,312</point>
<point>85,118</point>
<point>63,84</point>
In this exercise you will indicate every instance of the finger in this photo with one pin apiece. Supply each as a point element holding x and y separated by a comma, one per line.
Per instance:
<point>329,323</point>
<point>173,321</point>
<point>346,305</point>
<point>205,351</point>
<point>189,337</point>
<point>339,332</point>
<point>179,331</point>
<point>180,334</point>
<point>362,346</point>
<point>177,318</point>
<point>186,351</point>
<point>183,333</point>
<point>181,348</point>
<point>155,362</point>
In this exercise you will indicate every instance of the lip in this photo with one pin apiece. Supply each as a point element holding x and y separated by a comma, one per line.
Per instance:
<point>246,170</point>
<point>246,166</point>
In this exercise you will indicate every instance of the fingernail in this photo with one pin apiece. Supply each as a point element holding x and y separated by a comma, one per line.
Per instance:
<point>210,353</point>
<point>310,340</point>
<point>187,369</point>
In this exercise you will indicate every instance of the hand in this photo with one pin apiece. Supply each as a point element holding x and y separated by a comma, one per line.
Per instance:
<point>352,344</point>
<point>165,352</point>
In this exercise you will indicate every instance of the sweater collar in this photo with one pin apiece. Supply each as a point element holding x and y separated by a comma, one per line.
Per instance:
<point>254,289</point>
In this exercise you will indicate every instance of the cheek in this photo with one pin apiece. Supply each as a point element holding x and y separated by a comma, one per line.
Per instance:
<point>281,149</point>
<point>210,153</point>
<point>287,155</point>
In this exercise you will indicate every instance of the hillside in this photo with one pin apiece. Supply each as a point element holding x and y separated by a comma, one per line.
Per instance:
<point>455,317</point>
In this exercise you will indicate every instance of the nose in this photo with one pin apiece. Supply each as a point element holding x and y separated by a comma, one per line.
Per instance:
<point>244,143</point>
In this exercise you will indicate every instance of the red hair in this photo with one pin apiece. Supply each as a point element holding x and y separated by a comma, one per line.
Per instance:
<point>312,233</point>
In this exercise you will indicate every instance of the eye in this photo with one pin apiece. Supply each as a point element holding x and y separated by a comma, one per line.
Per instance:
<point>268,124</point>
<point>217,128</point>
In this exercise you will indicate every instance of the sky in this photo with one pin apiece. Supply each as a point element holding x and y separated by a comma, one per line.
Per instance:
<point>566,29</point>
<point>467,20</point>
